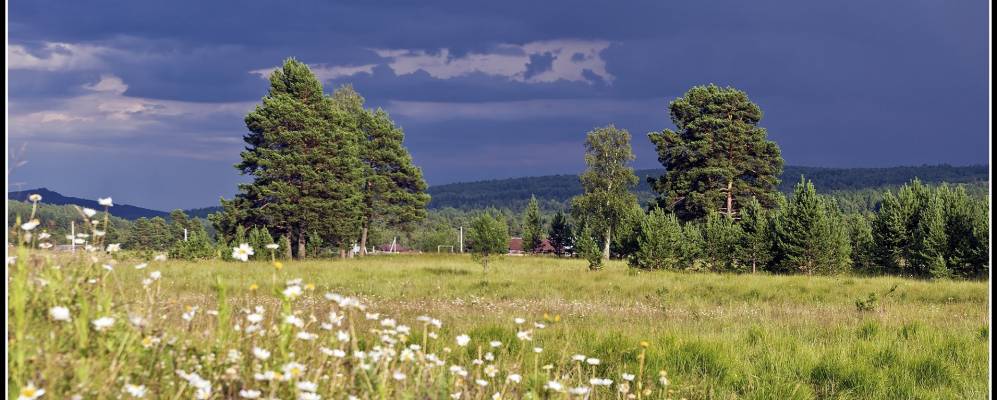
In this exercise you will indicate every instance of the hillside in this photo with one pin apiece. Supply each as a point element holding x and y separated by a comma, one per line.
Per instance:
<point>125,211</point>
<point>556,190</point>
<point>120,210</point>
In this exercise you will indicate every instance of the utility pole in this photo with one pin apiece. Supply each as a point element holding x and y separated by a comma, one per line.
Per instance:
<point>72,232</point>
<point>462,240</point>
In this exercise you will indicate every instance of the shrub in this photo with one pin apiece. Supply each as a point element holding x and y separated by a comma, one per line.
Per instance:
<point>589,249</point>
<point>659,241</point>
<point>488,238</point>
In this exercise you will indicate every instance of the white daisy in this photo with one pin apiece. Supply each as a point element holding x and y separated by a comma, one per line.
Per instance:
<point>261,354</point>
<point>59,313</point>
<point>242,252</point>
<point>102,323</point>
<point>137,391</point>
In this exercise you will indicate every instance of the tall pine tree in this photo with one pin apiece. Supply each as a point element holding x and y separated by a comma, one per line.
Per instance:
<point>394,191</point>
<point>718,158</point>
<point>304,156</point>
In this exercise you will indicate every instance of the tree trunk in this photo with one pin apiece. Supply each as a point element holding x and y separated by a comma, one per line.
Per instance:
<point>730,199</point>
<point>753,262</point>
<point>605,247</point>
<point>301,245</point>
<point>363,241</point>
<point>342,254</point>
<point>287,252</point>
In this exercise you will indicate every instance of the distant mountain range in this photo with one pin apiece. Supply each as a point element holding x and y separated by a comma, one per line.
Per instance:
<point>558,189</point>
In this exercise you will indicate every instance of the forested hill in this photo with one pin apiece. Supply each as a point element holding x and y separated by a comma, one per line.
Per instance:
<point>120,210</point>
<point>555,190</point>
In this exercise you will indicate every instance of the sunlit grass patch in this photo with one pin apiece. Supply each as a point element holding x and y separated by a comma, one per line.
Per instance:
<point>715,336</point>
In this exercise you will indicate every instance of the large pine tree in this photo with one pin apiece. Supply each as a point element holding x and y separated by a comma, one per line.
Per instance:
<point>304,156</point>
<point>718,157</point>
<point>394,192</point>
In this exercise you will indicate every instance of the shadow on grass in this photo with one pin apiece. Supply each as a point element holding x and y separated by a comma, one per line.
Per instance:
<point>446,271</point>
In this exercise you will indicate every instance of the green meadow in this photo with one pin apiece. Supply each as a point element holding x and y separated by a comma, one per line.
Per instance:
<point>719,336</point>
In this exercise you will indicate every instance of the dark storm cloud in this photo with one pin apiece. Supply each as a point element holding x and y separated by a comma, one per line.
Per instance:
<point>148,97</point>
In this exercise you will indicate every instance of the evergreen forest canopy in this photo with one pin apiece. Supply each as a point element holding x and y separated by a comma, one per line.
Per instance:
<point>554,191</point>
<point>330,175</point>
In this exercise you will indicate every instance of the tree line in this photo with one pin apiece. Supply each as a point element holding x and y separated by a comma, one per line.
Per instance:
<point>329,173</point>
<point>554,192</point>
<point>719,208</point>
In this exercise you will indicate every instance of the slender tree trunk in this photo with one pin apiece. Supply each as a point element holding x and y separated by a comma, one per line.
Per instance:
<point>363,241</point>
<point>301,245</point>
<point>288,254</point>
<point>730,199</point>
<point>605,247</point>
<point>753,263</point>
<point>342,253</point>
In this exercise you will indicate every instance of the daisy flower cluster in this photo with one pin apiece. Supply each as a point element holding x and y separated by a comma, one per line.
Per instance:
<point>98,340</point>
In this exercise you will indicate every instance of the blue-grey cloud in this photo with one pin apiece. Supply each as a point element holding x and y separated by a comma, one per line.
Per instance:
<point>145,100</point>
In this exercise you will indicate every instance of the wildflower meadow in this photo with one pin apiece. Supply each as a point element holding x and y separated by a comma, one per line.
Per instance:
<point>104,323</point>
<point>99,324</point>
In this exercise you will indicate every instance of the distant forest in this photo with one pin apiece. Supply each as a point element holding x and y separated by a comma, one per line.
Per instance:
<point>856,185</point>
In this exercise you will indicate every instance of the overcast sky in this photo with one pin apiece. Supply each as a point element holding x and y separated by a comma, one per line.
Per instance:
<point>145,101</point>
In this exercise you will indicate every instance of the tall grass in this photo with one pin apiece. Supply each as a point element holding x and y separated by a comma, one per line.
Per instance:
<point>716,336</point>
<point>101,324</point>
<point>88,326</point>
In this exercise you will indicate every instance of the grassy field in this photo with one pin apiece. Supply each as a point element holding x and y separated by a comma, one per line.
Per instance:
<point>716,336</point>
